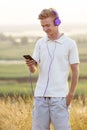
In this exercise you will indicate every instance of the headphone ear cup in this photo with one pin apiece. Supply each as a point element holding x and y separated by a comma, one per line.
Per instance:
<point>57,21</point>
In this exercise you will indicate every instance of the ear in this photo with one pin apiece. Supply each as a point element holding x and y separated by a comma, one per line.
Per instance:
<point>57,21</point>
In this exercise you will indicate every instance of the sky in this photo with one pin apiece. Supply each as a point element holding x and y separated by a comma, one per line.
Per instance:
<point>19,12</point>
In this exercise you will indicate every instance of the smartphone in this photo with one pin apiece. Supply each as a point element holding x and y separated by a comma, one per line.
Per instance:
<point>29,57</point>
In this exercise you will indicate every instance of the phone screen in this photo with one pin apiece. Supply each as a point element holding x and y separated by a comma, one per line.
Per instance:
<point>28,57</point>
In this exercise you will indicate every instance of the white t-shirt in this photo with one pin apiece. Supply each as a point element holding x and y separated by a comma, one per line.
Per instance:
<point>54,58</point>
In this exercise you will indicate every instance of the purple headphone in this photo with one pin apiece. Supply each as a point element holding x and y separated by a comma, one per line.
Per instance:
<point>57,21</point>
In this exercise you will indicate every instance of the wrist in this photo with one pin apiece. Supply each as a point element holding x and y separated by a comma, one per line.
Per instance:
<point>32,68</point>
<point>71,93</point>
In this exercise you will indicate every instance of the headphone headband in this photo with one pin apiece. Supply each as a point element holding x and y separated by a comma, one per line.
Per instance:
<point>57,21</point>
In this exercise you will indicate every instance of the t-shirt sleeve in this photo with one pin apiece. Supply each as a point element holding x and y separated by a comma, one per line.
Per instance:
<point>73,55</point>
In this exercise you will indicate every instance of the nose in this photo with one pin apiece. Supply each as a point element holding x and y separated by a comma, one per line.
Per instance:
<point>45,29</point>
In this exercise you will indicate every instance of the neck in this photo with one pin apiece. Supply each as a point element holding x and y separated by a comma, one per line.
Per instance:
<point>55,36</point>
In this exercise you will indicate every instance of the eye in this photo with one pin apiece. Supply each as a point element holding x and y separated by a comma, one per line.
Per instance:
<point>47,25</point>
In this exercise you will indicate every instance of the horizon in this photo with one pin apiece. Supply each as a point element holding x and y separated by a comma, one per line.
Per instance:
<point>36,29</point>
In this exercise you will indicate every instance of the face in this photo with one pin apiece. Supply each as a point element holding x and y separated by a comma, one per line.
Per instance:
<point>48,26</point>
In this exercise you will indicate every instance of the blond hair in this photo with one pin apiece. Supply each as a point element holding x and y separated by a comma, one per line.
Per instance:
<point>45,13</point>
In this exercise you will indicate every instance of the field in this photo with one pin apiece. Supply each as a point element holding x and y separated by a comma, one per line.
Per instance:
<point>15,87</point>
<point>16,114</point>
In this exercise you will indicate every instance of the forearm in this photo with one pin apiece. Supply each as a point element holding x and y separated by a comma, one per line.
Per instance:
<point>74,81</point>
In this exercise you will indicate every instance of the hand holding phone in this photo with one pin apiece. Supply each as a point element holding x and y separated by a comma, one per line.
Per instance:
<point>32,67</point>
<point>29,57</point>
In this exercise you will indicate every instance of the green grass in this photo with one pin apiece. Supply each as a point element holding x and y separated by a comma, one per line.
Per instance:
<point>81,88</point>
<point>11,88</point>
<point>83,69</point>
<point>13,70</point>
<point>21,70</point>
<point>10,51</point>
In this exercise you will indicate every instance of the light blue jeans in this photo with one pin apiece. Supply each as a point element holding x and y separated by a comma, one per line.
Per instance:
<point>50,110</point>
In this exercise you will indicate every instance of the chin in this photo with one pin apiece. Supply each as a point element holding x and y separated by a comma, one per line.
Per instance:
<point>49,33</point>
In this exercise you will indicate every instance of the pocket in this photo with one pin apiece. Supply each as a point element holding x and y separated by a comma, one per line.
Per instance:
<point>64,101</point>
<point>38,101</point>
<point>36,108</point>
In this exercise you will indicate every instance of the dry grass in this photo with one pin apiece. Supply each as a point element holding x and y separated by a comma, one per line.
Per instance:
<point>78,116</point>
<point>15,114</point>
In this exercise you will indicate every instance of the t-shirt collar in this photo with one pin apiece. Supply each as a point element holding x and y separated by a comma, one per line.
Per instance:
<point>59,40</point>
